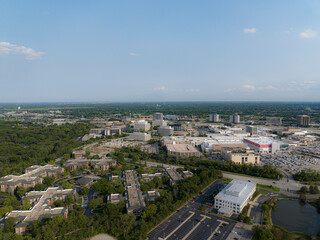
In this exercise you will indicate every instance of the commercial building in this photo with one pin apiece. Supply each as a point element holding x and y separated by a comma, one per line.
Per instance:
<point>275,121</point>
<point>184,150</point>
<point>41,202</point>
<point>303,120</point>
<point>234,197</point>
<point>252,130</point>
<point>102,164</point>
<point>240,155</point>
<point>141,125</point>
<point>174,176</point>
<point>175,126</point>
<point>215,143</point>
<point>214,117</point>
<point>165,131</point>
<point>160,123</point>
<point>265,144</point>
<point>139,136</point>
<point>157,116</point>
<point>234,118</point>
<point>134,198</point>
<point>33,176</point>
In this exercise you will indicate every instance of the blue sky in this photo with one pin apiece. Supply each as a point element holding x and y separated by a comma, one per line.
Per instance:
<point>168,50</point>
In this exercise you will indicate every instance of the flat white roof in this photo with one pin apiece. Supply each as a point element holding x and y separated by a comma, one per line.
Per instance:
<point>236,191</point>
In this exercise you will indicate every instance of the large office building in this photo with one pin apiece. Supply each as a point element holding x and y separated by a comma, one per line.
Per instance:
<point>160,123</point>
<point>240,155</point>
<point>157,116</point>
<point>214,117</point>
<point>215,143</point>
<point>139,136</point>
<point>252,130</point>
<point>141,125</point>
<point>234,118</point>
<point>234,197</point>
<point>33,176</point>
<point>303,120</point>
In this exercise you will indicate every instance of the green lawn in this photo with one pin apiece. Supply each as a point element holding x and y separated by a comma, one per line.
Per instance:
<point>268,187</point>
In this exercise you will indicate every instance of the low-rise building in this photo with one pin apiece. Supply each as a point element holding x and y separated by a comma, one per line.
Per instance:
<point>187,174</point>
<point>174,176</point>
<point>33,176</point>
<point>79,153</point>
<point>152,196</point>
<point>115,198</point>
<point>234,197</point>
<point>240,155</point>
<point>185,150</point>
<point>147,177</point>
<point>265,144</point>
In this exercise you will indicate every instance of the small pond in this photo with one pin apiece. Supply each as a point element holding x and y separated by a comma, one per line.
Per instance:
<point>296,218</point>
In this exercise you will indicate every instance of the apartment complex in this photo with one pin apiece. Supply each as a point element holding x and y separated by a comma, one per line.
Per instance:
<point>33,176</point>
<point>234,118</point>
<point>102,164</point>
<point>234,197</point>
<point>240,155</point>
<point>174,176</point>
<point>134,198</point>
<point>41,207</point>
<point>214,117</point>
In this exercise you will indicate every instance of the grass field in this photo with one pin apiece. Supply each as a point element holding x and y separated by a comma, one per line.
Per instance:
<point>268,187</point>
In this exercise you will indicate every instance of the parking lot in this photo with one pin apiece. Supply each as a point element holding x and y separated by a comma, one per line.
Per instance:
<point>192,224</point>
<point>295,161</point>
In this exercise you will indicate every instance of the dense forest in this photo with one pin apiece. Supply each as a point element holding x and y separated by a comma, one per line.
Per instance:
<point>23,145</point>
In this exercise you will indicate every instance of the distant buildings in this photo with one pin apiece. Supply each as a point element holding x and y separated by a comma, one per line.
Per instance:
<point>160,123</point>
<point>41,202</point>
<point>171,117</point>
<point>275,121</point>
<point>303,120</point>
<point>141,125</point>
<point>174,176</point>
<point>33,176</point>
<point>102,164</point>
<point>214,117</point>
<point>165,131</point>
<point>175,126</point>
<point>234,118</point>
<point>185,150</point>
<point>240,155</point>
<point>252,130</point>
<point>139,136</point>
<point>217,142</point>
<point>79,153</point>
<point>157,116</point>
<point>234,197</point>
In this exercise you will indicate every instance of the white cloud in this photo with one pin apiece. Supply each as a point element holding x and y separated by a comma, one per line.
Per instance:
<point>308,34</point>
<point>161,89</point>
<point>270,87</point>
<point>29,53</point>
<point>133,54</point>
<point>192,90</point>
<point>250,30</point>
<point>249,87</point>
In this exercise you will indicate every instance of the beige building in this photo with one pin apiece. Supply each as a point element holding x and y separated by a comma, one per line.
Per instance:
<point>184,150</point>
<point>102,164</point>
<point>240,155</point>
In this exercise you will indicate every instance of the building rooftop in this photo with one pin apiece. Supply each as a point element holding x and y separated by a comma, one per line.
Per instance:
<point>236,191</point>
<point>181,148</point>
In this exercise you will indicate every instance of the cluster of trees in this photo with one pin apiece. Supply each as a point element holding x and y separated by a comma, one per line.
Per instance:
<point>308,175</point>
<point>313,189</point>
<point>28,144</point>
<point>8,203</point>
